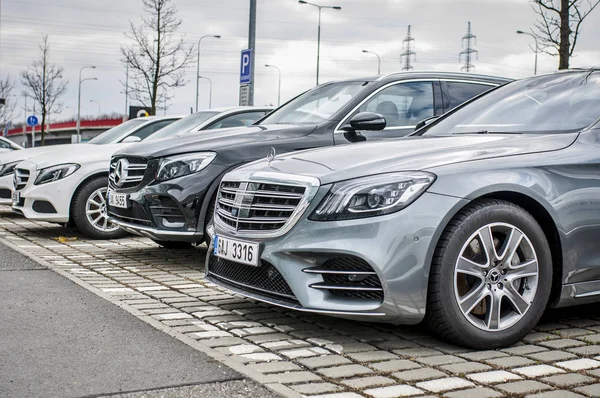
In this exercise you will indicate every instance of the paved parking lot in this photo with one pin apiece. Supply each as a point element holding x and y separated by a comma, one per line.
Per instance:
<point>315,355</point>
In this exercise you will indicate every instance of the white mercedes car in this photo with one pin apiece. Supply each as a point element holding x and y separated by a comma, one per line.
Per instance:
<point>7,145</point>
<point>70,186</point>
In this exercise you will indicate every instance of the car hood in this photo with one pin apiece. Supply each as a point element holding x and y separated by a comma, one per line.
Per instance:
<point>412,153</point>
<point>78,153</point>
<point>210,140</point>
<point>23,154</point>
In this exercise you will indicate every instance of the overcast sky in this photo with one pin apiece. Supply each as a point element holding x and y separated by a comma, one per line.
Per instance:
<point>84,32</point>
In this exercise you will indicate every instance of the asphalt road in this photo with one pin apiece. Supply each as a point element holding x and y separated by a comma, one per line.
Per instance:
<point>60,340</point>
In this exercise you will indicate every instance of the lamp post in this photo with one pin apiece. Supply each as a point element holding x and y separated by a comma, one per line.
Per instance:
<point>378,60</point>
<point>319,30</point>
<point>198,65</point>
<point>97,102</point>
<point>126,88</point>
<point>209,92</point>
<point>537,49</point>
<point>79,99</point>
<point>278,82</point>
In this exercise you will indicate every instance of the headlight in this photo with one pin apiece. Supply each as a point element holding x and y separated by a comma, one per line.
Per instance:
<point>181,165</point>
<point>54,173</point>
<point>372,196</point>
<point>7,169</point>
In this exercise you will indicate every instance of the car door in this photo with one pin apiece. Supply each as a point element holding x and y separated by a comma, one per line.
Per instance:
<point>402,104</point>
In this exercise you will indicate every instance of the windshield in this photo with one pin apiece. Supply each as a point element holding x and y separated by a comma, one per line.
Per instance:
<point>558,103</point>
<point>112,135</point>
<point>315,106</point>
<point>184,125</point>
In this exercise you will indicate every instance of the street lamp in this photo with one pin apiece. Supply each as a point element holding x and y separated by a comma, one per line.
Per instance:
<point>319,30</point>
<point>537,49</point>
<point>79,98</point>
<point>209,92</point>
<point>126,88</point>
<point>97,102</point>
<point>198,65</point>
<point>378,60</point>
<point>278,83</point>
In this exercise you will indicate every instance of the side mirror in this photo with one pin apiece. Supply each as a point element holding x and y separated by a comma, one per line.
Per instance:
<point>131,139</point>
<point>366,121</point>
<point>425,122</point>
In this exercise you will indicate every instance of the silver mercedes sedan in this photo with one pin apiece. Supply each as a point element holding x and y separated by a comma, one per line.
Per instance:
<point>475,224</point>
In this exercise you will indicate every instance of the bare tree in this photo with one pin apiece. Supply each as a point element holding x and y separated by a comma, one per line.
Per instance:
<point>559,25</point>
<point>157,59</point>
<point>43,81</point>
<point>7,111</point>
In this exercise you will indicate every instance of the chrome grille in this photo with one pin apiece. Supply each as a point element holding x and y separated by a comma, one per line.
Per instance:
<point>246,206</point>
<point>127,172</point>
<point>20,178</point>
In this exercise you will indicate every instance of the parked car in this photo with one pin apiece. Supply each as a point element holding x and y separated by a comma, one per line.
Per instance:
<point>7,145</point>
<point>476,224</point>
<point>172,202</point>
<point>131,131</point>
<point>42,194</point>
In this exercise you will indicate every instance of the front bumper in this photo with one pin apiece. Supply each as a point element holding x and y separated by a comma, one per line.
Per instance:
<point>397,247</point>
<point>6,187</point>
<point>172,210</point>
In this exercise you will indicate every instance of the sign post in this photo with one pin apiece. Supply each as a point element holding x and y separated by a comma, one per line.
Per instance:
<point>32,121</point>
<point>245,77</point>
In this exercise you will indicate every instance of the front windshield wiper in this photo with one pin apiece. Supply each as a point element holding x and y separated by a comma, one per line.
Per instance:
<point>487,132</point>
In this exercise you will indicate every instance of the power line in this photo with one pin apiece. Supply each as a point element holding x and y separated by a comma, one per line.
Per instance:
<point>408,53</point>
<point>468,50</point>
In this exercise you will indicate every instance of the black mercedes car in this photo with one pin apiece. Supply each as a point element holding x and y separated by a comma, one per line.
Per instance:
<point>166,189</point>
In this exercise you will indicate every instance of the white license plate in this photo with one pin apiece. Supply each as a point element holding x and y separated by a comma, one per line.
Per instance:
<point>235,250</point>
<point>16,198</point>
<point>117,199</point>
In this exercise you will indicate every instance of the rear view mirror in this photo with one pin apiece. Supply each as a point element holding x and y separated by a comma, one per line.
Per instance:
<point>366,121</point>
<point>131,139</point>
<point>425,122</point>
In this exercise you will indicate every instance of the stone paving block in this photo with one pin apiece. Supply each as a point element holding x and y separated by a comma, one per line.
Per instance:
<point>523,349</point>
<point>275,367</point>
<point>252,331</point>
<point>574,332</point>
<point>465,367</point>
<point>339,395</point>
<point>592,390</point>
<point>315,388</point>
<point>258,357</point>
<point>372,356</point>
<point>241,349</point>
<point>586,350</point>
<point>523,387</point>
<point>348,348</point>
<point>561,344</point>
<point>324,361</point>
<point>551,356</point>
<point>343,371</point>
<point>304,352</point>
<point>394,366</point>
<point>417,352</point>
<point>568,380</point>
<point>285,345</point>
<point>556,394</point>
<point>394,391</point>
<point>478,392</point>
<point>494,376</point>
<point>209,335</point>
<point>594,338</point>
<point>482,355</point>
<point>445,384</point>
<point>266,338</point>
<point>223,342</point>
<point>439,360</point>
<point>395,344</point>
<point>510,362</point>
<point>365,382</point>
<point>579,364</point>
<point>536,337</point>
<point>538,371</point>
<point>296,377</point>
<point>419,374</point>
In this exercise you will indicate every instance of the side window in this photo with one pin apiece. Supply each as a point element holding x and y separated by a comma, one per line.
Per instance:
<point>237,120</point>
<point>461,92</point>
<point>4,145</point>
<point>150,129</point>
<point>404,104</point>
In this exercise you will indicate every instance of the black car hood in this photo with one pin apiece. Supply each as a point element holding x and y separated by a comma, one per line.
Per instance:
<point>413,153</point>
<point>212,140</point>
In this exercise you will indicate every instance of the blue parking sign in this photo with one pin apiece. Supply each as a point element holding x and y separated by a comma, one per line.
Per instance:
<point>246,67</point>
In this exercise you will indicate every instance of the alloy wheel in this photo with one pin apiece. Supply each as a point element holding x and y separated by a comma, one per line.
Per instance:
<point>496,277</point>
<point>96,211</point>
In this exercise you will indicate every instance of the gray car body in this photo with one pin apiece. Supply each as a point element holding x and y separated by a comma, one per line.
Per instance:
<point>554,177</point>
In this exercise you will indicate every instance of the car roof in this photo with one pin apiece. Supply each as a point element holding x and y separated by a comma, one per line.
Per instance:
<point>230,109</point>
<point>391,77</point>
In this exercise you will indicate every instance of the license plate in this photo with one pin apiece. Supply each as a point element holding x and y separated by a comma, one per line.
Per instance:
<point>16,198</point>
<point>117,199</point>
<point>235,250</point>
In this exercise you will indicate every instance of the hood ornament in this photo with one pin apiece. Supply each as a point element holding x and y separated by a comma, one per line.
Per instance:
<point>271,156</point>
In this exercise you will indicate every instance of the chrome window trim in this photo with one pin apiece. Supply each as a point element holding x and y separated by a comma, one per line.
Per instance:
<point>311,184</point>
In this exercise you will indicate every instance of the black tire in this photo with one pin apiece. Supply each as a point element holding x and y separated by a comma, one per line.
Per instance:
<point>174,245</point>
<point>444,315</point>
<point>210,211</point>
<point>78,211</point>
